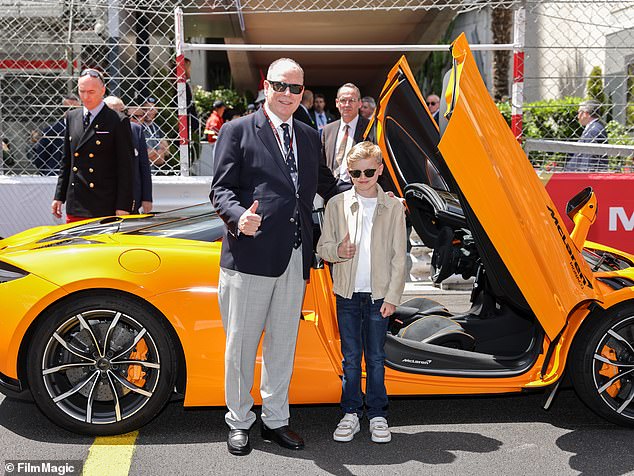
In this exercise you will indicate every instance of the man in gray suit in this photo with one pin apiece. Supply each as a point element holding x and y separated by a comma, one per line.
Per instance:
<point>267,170</point>
<point>338,137</point>
<point>588,116</point>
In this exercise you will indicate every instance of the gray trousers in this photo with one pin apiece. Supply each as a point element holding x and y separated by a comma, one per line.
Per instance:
<point>250,304</point>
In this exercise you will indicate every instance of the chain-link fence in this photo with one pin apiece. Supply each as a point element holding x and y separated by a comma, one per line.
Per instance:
<point>579,51</point>
<point>44,44</point>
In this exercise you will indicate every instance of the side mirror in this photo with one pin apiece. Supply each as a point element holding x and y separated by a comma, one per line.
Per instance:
<point>582,210</point>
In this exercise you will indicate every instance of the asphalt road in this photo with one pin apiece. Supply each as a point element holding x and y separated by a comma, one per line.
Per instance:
<point>501,435</point>
<point>494,435</point>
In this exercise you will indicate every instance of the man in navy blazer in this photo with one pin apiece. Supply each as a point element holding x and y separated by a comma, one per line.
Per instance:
<point>142,176</point>
<point>95,177</point>
<point>588,116</point>
<point>267,170</point>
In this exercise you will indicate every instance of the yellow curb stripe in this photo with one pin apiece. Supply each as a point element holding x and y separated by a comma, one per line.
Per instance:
<point>111,455</point>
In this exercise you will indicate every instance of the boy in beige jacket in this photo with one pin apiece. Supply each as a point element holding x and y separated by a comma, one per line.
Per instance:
<point>364,238</point>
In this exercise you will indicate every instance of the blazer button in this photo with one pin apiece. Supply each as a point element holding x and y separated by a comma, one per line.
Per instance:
<point>91,170</point>
<point>76,154</point>
<point>297,195</point>
<point>91,155</point>
<point>98,142</point>
<point>73,184</point>
<point>74,169</point>
<point>292,220</point>
<point>91,185</point>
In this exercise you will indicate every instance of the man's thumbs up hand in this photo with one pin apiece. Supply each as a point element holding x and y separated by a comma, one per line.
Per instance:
<point>250,221</point>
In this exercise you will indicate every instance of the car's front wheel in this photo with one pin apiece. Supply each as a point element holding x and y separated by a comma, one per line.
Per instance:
<point>101,364</point>
<point>602,364</point>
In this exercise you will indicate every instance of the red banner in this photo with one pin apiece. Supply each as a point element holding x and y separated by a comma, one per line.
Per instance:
<point>614,225</point>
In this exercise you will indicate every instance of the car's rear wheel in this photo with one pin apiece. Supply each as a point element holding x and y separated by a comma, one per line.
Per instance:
<point>602,364</point>
<point>101,364</point>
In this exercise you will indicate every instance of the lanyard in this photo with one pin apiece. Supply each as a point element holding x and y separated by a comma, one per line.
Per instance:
<point>289,152</point>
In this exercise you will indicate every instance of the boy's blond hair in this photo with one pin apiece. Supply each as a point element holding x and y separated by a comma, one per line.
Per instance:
<point>365,150</point>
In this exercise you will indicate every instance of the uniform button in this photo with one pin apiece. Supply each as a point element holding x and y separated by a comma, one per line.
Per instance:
<point>91,185</point>
<point>91,155</point>
<point>74,169</point>
<point>91,170</point>
<point>297,195</point>
<point>292,220</point>
<point>98,142</point>
<point>76,154</point>
<point>73,184</point>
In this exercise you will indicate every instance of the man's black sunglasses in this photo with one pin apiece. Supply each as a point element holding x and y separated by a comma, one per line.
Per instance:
<point>280,87</point>
<point>357,173</point>
<point>93,73</point>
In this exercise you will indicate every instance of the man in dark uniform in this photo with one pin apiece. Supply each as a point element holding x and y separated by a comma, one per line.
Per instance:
<point>96,174</point>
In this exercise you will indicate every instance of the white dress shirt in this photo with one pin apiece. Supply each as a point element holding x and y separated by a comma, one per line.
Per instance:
<point>342,173</point>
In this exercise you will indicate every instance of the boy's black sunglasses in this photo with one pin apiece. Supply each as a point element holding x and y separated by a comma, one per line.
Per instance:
<point>93,73</point>
<point>357,173</point>
<point>280,87</point>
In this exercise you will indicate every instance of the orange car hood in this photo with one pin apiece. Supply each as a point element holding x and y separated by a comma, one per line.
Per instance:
<point>504,201</point>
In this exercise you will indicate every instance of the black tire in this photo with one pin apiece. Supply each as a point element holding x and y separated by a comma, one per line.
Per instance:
<point>606,339</point>
<point>118,395</point>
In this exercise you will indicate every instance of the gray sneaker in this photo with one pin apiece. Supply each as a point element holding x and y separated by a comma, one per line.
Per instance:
<point>347,428</point>
<point>380,431</point>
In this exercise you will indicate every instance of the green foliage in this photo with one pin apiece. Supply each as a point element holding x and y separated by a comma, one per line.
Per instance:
<point>594,86</point>
<point>617,134</point>
<point>556,119</point>
<point>204,100</point>
<point>552,119</point>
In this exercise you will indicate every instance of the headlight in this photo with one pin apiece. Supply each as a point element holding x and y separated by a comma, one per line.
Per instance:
<point>9,272</point>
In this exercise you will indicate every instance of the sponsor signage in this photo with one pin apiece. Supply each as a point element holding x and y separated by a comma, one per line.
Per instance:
<point>614,225</point>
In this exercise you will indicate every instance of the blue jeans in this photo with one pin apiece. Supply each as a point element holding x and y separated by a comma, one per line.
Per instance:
<point>362,331</point>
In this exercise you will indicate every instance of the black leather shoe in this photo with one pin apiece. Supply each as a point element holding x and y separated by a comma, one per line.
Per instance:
<point>238,442</point>
<point>283,436</point>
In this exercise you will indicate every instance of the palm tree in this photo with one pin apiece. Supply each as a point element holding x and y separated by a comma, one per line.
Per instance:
<point>501,27</point>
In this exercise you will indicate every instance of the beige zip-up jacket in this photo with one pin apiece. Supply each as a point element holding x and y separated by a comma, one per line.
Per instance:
<point>388,245</point>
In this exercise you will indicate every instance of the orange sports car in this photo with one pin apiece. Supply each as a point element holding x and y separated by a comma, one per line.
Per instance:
<point>104,319</point>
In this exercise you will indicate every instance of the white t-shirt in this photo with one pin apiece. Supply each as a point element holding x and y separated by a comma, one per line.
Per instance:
<point>363,239</point>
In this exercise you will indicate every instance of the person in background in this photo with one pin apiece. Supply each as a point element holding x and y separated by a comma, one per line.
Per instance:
<point>96,174</point>
<point>157,146</point>
<point>338,137</point>
<point>215,121</point>
<point>364,237</point>
<point>319,113</point>
<point>303,111</point>
<point>192,114</point>
<point>589,116</point>
<point>49,149</point>
<point>142,183</point>
<point>250,109</point>
<point>368,106</point>
<point>433,103</point>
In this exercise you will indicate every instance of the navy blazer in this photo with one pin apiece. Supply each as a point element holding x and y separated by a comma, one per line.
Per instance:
<point>96,174</point>
<point>49,150</point>
<point>593,132</point>
<point>142,183</point>
<point>248,166</point>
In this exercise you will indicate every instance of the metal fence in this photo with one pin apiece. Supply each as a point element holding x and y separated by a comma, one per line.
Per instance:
<point>44,44</point>
<point>574,51</point>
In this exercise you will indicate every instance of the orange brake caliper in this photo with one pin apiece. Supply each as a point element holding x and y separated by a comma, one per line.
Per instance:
<point>609,371</point>
<point>136,375</point>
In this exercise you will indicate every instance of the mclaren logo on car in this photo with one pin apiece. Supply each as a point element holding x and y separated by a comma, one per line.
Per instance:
<point>574,264</point>
<point>417,362</point>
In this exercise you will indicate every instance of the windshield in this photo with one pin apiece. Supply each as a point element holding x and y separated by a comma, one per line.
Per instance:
<point>208,227</point>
